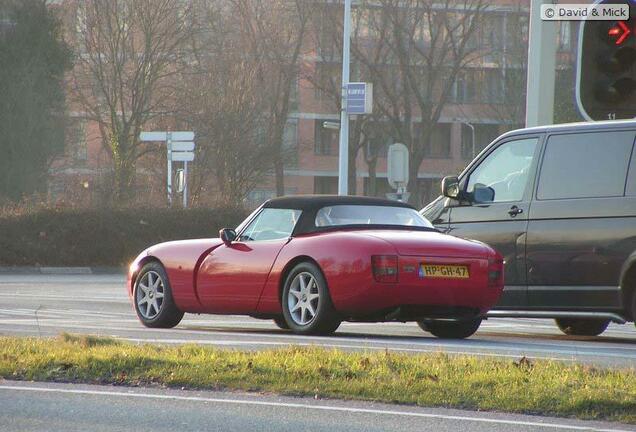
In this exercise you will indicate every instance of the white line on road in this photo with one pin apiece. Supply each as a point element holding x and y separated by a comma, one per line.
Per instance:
<point>308,407</point>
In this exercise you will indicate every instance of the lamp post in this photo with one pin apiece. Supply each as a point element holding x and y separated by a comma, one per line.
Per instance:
<point>343,158</point>
<point>472,130</point>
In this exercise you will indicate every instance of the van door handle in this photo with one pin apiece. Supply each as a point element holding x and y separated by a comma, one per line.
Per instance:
<point>514,211</point>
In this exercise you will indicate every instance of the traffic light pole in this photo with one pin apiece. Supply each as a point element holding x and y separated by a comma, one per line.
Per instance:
<point>541,68</point>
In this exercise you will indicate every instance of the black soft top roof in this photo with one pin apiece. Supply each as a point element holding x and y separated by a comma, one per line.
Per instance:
<point>310,204</point>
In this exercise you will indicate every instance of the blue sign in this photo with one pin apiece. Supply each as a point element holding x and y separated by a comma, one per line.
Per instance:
<point>359,98</point>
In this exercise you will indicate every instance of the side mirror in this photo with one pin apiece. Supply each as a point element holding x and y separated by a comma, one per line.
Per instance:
<point>483,194</point>
<point>450,187</point>
<point>228,235</point>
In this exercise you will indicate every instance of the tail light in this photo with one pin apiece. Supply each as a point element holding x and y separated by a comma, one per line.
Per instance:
<point>495,272</point>
<point>385,268</point>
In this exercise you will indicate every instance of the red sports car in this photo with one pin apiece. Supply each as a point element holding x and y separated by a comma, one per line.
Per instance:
<point>311,262</point>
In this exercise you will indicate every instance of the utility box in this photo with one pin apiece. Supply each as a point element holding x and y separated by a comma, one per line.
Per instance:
<point>398,166</point>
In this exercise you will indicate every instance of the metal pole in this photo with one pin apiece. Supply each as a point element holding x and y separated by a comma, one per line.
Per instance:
<point>541,68</point>
<point>169,183</point>
<point>185,184</point>
<point>472,131</point>
<point>343,161</point>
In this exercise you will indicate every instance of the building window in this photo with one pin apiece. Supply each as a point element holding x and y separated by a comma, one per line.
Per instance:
<point>439,143</point>
<point>327,81</point>
<point>325,185</point>
<point>465,87</point>
<point>76,136</point>
<point>484,135</point>
<point>325,140</point>
<point>290,143</point>
<point>293,95</point>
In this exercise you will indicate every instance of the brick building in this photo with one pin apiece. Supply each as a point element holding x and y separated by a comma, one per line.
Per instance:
<point>313,165</point>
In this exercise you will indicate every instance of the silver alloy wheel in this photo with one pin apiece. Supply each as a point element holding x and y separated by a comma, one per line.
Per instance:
<point>303,298</point>
<point>149,296</point>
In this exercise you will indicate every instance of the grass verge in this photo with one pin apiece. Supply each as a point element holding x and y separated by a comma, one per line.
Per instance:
<point>534,387</point>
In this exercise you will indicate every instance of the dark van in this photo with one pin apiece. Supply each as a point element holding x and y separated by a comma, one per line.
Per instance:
<point>559,202</point>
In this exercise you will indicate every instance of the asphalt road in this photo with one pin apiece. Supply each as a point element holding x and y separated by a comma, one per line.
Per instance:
<point>45,305</point>
<point>63,407</point>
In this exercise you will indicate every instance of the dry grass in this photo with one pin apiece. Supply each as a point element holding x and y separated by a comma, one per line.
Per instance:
<point>536,387</point>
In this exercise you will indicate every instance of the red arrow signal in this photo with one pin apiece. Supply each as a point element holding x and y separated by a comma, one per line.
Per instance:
<point>621,32</point>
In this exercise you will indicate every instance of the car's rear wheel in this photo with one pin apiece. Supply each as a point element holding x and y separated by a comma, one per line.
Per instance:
<point>306,302</point>
<point>582,327</point>
<point>281,323</point>
<point>451,329</point>
<point>153,300</point>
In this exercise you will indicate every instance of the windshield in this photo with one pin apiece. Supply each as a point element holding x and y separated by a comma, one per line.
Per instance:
<point>339,215</point>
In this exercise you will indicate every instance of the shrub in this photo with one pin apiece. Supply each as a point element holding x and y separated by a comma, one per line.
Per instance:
<point>101,237</point>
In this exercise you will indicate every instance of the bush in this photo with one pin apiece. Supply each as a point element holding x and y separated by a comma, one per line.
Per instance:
<point>101,237</point>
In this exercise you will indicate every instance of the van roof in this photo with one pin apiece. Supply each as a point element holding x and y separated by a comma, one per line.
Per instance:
<point>587,126</point>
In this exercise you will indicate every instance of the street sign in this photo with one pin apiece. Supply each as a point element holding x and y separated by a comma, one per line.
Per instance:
<point>152,136</point>
<point>163,136</point>
<point>183,146</point>
<point>182,156</point>
<point>359,98</point>
<point>398,166</point>
<point>180,147</point>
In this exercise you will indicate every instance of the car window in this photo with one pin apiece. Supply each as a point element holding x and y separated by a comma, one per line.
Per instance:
<point>506,171</point>
<point>271,224</point>
<point>585,165</point>
<point>339,215</point>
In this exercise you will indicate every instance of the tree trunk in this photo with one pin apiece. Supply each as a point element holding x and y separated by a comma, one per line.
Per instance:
<point>414,184</point>
<point>279,172</point>
<point>352,172</point>
<point>372,190</point>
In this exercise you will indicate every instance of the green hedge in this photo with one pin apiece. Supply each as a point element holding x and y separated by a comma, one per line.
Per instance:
<point>101,237</point>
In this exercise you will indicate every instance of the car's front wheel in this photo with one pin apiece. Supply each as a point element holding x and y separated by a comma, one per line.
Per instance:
<point>582,327</point>
<point>153,300</point>
<point>451,329</point>
<point>306,302</point>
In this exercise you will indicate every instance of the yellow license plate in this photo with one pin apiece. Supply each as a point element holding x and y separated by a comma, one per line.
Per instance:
<point>445,271</point>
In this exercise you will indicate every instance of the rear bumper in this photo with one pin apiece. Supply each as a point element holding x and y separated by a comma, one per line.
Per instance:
<point>416,296</point>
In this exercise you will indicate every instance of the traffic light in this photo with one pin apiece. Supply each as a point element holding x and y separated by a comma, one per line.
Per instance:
<point>606,69</point>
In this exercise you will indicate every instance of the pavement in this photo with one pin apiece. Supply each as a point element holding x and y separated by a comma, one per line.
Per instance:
<point>28,407</point>
<point>97,304</point>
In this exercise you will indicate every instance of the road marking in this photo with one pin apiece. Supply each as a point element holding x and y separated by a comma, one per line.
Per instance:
<point>362,343</point>
<point>306,406</point>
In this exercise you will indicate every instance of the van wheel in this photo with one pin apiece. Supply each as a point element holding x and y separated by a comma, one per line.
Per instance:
<point>582,327</point>
<point>451,329</point>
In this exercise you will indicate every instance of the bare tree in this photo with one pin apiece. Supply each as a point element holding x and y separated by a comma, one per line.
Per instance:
<point>412,52</point>
<point>423,45</point>
<point>222,98</point>
<point>274,32</point>
<point>129,51</point>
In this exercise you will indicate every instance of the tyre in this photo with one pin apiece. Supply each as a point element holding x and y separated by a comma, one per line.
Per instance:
<point>281,323</point>
<point>153,298</point>
<point>582,327</point>
<point>451,329</point>
<point>306,302</point>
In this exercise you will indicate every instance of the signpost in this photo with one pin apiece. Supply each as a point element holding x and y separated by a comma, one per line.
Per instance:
<point>180,148</point>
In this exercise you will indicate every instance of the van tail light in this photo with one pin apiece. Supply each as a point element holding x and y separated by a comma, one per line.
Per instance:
<point>495,272</point>
<point>385,268</point>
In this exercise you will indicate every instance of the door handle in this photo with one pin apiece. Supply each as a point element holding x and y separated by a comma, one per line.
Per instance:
<point>514,211</point>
